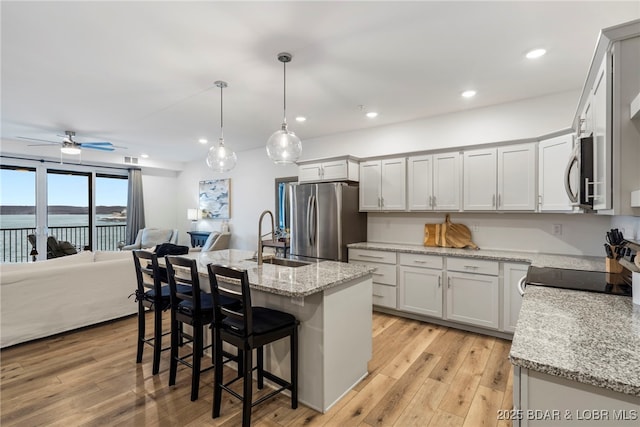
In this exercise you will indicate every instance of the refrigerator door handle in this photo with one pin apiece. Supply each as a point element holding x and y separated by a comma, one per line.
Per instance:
<point>314,222</point>
<point>309,204</point>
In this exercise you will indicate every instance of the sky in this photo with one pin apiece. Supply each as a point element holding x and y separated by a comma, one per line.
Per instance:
<point>18,188</point>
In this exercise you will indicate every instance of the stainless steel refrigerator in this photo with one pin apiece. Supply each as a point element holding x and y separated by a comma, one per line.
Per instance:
<point>325,219</point>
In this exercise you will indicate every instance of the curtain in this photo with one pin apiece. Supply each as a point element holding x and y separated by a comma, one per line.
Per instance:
<point>135,205</point>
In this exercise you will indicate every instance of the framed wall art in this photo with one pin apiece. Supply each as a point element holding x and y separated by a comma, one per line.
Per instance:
<point>214,199</point>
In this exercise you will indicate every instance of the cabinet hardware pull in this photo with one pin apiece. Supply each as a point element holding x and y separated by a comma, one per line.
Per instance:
<point>377,274</point>
<point>448,282</point>
<point>382,201</point>
<point>499,199</point>
<point>471,266</point>
<point>419,262</point>
<point>379,296</point>
<point>439,281</point>
<point>371,256</point>
<point>493,200</point>
<point>430,201</point>
<point>540,199</point>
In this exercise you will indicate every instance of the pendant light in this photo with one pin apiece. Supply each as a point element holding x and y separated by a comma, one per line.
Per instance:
<point>284,146</point>
<point>220,158</point>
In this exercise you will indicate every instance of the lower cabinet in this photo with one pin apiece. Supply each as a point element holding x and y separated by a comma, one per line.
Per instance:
<point>420,290</point>
<point>473,299</point>
<point>384,276</point>
<point>512,300</point>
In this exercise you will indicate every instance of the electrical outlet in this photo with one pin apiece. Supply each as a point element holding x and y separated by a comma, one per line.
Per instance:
<point>475,228</point>
<point>556,230</point>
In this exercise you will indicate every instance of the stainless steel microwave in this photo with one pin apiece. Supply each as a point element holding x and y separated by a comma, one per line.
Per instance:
<point>579,173</point>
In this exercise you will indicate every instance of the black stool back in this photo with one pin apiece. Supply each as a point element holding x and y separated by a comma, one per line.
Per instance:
<point>248,328</point>
<point>150,294</point>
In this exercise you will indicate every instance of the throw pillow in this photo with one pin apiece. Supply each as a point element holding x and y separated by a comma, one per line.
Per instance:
<point>153,236</point>
<point>210,241</point>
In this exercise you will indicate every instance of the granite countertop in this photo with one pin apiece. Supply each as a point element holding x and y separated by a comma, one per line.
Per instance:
<point>582,336</point>
<point>281,280</point>
<point>535,259</point>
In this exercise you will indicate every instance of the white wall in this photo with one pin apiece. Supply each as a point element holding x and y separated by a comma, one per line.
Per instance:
<point>252,181</point>
<point>159,190</point>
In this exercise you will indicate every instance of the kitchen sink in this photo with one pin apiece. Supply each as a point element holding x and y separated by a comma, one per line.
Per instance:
<point>285,262</point>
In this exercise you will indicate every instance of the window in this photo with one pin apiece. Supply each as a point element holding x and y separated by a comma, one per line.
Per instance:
<point>17,212</point>
<point>111,211</point>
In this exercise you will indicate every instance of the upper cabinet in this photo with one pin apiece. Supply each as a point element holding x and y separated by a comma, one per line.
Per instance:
<point>434,182</point>
<point>329,170</point>
<point>553,156</point>
<point>502,178</point>
<point>383,185</point>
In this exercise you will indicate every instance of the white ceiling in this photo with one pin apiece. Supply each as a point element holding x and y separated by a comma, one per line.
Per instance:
<point>140,74</point>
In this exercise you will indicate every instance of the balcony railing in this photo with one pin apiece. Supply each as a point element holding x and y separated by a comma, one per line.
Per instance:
<point>15,245</point>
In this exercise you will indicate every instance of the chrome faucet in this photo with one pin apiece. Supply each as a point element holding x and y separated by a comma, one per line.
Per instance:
<point>260,235</point>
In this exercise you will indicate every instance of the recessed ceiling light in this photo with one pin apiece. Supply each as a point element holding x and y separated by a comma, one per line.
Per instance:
<point>301,119</point>
<point>469,93</point>
<point>144,156</point>
<point>372,114</point>
<point>536,53</point>
<point>202,141</point>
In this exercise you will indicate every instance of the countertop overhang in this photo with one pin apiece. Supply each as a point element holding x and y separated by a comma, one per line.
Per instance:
<point>296,282</point>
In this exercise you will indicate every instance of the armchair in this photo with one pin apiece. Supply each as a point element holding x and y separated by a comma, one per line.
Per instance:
<point>215,242</point>
<point>149,237</point>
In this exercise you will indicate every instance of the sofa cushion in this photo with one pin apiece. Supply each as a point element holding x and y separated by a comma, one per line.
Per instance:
<point>210,241</point>
<point>153,236</point>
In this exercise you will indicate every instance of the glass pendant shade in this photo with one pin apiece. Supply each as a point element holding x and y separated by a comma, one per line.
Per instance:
<point>284,146</point>
<point>220,158</point>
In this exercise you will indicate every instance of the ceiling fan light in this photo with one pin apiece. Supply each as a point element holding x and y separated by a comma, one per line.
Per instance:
<point>221,159</point>
<point>70,149</point>
<point>284,146</point>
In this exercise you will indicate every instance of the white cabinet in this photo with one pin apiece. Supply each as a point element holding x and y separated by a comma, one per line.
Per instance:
<point>434,182</point>
<point>473,298</point>
<point>553,156</point>
<point>384,277</point>
<point>511,298</point>
<point>602,153</point>
<point>334,170</point>
<point>502,178</point>
<point>383,185</point>
<point>480,180</point>
<point>420,284</point>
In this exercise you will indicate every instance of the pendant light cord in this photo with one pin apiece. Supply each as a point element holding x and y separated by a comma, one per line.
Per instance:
<point>284,64</point>
<point>221,116</point>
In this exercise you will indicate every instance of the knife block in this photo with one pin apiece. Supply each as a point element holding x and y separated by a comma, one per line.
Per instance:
<point>613,266</point>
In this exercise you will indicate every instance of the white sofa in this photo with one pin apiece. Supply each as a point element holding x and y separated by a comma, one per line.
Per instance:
<point>48,297</point>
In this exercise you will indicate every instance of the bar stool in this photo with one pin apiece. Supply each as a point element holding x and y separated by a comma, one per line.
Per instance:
<point>152,295</point>
<point>194,308</point>
<point>248,328</point>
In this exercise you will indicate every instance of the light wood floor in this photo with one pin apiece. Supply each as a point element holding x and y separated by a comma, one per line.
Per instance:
<point>420,375</point>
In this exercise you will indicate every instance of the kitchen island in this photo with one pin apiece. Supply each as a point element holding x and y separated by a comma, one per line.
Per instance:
<point>576,358</point>
<point>332,301</point>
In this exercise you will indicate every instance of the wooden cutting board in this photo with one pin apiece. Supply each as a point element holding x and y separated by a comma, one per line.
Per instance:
<point>448,235</point>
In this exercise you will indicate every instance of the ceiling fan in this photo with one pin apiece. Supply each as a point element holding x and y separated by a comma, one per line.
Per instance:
<point>69,146</point>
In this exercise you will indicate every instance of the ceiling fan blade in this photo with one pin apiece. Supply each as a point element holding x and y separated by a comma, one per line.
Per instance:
<point>101,148</point>
<point>40,145</point>
<point>36,139</point>
<point>97,144</point>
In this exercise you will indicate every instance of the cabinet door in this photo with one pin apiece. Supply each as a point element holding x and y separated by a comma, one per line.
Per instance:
<point>602,156</point>
<point>480,180</point>
<point>420,183</point>
<point>512,300</point>
<point>333,171</point>
<point>473,299</point>
<point>370,185</point>
<point>517,177</point>
<point>393,184</point>
<point>309,172</point>
<point>446,181</point>
<point>553,155</point>
<point>420,290</point>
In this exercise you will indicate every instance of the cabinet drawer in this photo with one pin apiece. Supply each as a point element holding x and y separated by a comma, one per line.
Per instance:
<point>385,273</point>
<point>373,256</point>
<point>417,260</point>
<point>384,295</point>
<point>469,265</point>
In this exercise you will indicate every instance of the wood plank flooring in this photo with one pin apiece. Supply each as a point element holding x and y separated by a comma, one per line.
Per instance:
<point>420,375</point>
